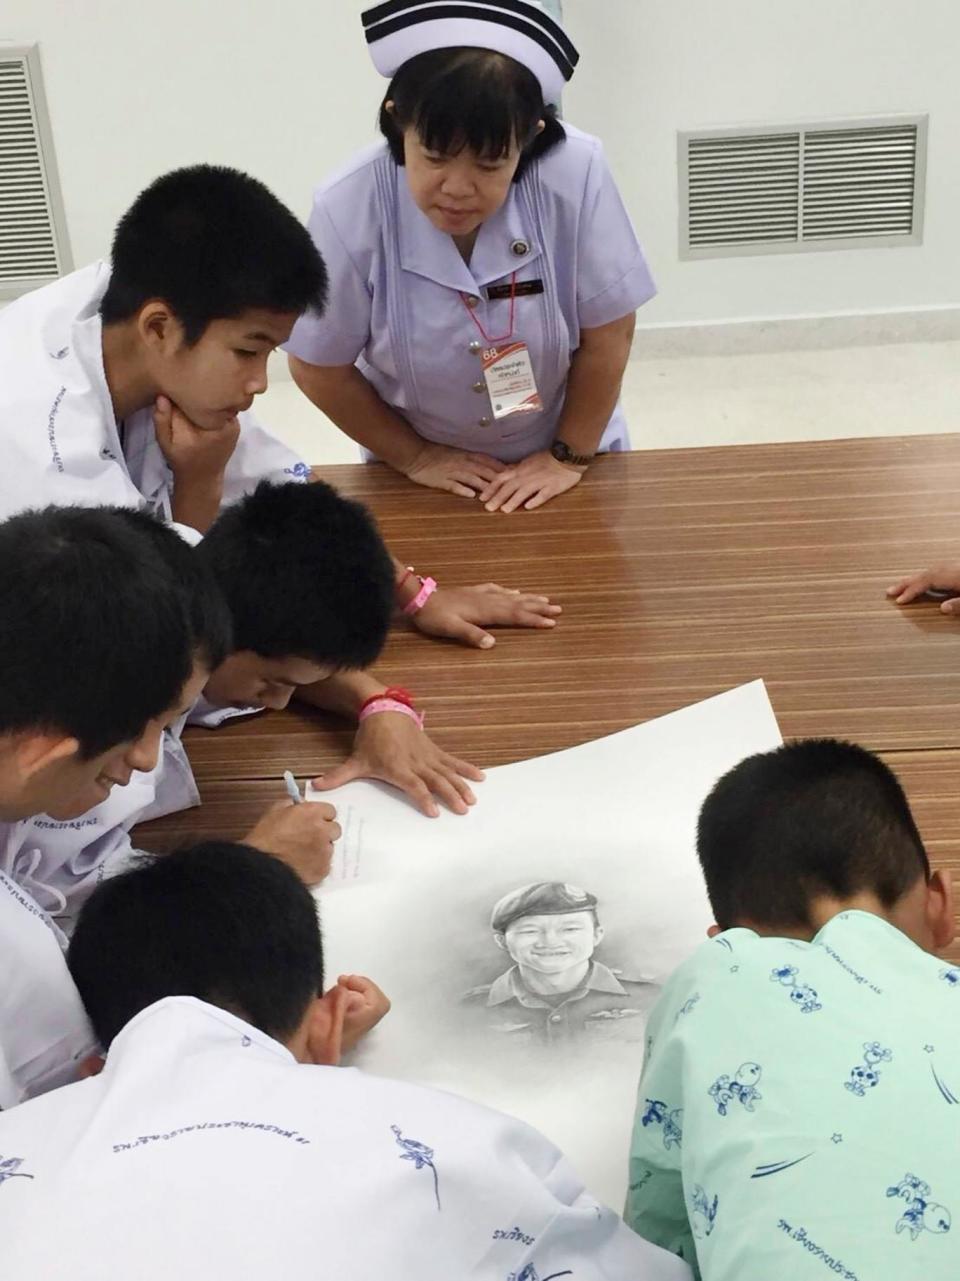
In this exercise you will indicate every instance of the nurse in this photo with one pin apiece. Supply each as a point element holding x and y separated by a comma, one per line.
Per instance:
<point>484,270</point>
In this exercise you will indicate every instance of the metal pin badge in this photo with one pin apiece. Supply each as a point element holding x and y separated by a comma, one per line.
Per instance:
<point>519,248</point>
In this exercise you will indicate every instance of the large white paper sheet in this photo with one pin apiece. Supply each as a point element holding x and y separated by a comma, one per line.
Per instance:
<point>410,903</point>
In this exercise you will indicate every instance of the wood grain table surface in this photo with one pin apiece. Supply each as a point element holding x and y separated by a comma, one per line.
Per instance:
<point>681,573</point>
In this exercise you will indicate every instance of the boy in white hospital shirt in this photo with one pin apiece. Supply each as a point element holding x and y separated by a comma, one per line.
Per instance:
<point>309,585</point>
<point>131,383</point>
<point>110,627</point>
<point>220,1141</point>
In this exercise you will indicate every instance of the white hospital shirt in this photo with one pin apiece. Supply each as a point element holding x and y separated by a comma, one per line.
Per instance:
<point>60,444</point>
<point>44,1032</point>
<point>205,1151</point>
<point>59,438</point>
<point>396,283</point>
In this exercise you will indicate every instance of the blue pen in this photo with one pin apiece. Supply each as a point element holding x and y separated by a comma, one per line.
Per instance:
<point>292,790</point>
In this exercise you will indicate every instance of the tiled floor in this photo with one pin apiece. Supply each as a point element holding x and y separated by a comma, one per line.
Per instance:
<point>890,390</point>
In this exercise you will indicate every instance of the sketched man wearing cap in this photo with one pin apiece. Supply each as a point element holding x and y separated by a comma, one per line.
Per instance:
<point>555,990</point>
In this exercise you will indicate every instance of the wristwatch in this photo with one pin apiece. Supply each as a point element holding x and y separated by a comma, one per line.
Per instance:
<point>564,454</point>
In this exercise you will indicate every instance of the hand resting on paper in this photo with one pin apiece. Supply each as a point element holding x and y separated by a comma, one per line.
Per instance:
<point>392,748</point>
<point>938,581</point>
<point>301,836</point>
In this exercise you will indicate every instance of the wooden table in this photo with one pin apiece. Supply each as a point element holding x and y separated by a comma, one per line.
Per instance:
<point>682,573</point>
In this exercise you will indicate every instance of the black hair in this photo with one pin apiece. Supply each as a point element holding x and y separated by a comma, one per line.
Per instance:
<point>305,574</point>
<point>219,921</point>
<point>473,98</point>
<point>212,243</point>
<point>103,612</point>
<point>811,818</point>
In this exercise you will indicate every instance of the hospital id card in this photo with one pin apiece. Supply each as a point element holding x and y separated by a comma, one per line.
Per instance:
<point>508,373</point>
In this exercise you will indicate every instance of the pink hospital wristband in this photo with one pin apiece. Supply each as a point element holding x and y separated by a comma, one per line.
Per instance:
<point>427,587</point>
<point>375,705</point>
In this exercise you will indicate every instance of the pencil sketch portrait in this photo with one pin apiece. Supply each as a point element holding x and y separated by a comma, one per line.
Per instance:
<point>556,991</point>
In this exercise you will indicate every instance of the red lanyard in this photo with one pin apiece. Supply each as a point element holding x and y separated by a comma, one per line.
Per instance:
<point>491,342</point>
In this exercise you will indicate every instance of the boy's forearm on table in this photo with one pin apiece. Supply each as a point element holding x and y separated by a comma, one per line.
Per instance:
<point>343,693</point>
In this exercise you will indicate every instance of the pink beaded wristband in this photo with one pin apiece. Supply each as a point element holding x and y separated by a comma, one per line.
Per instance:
<point>427,587</point>
<point>376,705</point>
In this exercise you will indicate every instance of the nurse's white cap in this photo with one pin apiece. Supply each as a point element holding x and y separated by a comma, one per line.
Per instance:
<point>398,30</point>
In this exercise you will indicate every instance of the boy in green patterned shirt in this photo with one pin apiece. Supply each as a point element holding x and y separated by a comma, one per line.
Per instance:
<point>795,1116</point>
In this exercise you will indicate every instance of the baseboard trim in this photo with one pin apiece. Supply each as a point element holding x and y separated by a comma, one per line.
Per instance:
<point>797,333</point>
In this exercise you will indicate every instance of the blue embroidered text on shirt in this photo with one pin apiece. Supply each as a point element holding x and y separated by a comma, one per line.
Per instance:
<point>420,1155</point>
<point>52,432</point>
<point>850,970</point>
<point>951,976</point>
<point>512,1234</point>
<point>865,1075</point>
<point>800,1236</point>
<point>803,996</point>
<point>66,825</point>
<point>26,903</point>
<point>657,1113</point>
<point>921,1214</point>
<point>530,1273</point>
<point>264,1126</point>
<point>10,1169</point>
<point>742,1087</point>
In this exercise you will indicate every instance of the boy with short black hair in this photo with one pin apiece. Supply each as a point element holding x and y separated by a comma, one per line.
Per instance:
<point>308,584</point>
<point>131,382</point>
<point>111,625</point>
<point>220,1101</point>
<point>794,1114</point>
<point>103,614</point>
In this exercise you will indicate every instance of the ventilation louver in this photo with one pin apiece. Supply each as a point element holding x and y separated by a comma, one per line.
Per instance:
<point>33,243</point>
<point>781,190</point>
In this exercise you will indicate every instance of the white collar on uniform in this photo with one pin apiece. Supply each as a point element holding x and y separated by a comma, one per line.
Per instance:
<point>431,253</point>
<point>190,1019</point>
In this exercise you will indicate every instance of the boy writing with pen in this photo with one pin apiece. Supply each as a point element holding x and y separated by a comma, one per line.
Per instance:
<point>309,587</point>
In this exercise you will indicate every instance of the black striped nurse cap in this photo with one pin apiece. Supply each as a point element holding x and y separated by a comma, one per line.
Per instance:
<point>398,30</point>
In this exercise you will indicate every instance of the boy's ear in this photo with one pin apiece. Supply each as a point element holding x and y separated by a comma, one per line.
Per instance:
<point>713,930</point>
<point>157,325</point>
<point>92,1065</point>
<point>325,1027</point>
<point>940,917</point>
<point>36,752</point>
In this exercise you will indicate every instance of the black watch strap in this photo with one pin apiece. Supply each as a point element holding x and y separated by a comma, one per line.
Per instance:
<point>564,454</point>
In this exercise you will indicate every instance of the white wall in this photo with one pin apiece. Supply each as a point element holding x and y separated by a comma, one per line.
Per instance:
<point>286,91</point>
<point>651,67</point>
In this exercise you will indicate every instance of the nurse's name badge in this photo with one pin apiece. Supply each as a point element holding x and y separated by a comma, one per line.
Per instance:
<point>508,373</point>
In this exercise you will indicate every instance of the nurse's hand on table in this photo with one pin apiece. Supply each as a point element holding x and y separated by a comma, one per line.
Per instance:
<point>461,613</point>
<point>530,483</point>
<point>301,836</point>
<point>456,471</point>
<point>366,1005</point>
<point>941,580</point>
<point>391,747</point>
